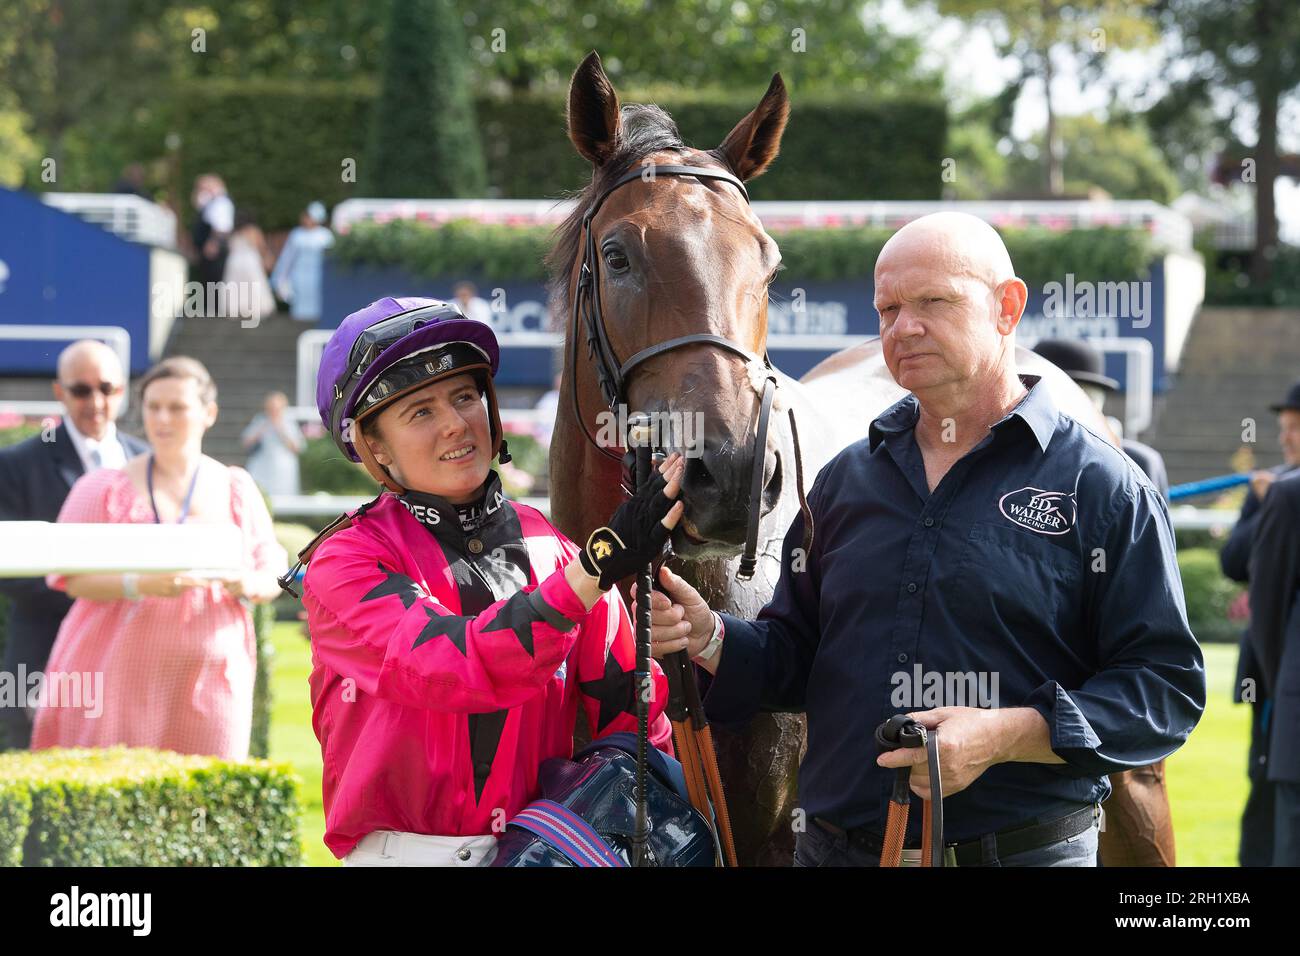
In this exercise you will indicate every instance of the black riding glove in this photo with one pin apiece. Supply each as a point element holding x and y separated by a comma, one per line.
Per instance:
<point>634,536</point>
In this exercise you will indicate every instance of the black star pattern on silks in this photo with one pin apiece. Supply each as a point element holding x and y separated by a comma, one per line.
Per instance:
<point>614,690</point>
<point>450,626</point>
<point>517,615</point>
<point>484,738</point>
<point>398,584</point>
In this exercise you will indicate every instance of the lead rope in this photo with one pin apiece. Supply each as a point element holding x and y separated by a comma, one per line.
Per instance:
<point>897,732</point>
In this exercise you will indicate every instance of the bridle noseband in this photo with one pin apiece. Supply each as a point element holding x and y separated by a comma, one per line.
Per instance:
<point>613,376</point>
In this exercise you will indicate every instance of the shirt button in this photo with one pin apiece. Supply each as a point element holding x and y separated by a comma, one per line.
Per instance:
<point>464,854</point>
<point>929,522</point>
<point>482,769</point>
<point>475,545</point>
<point>902,658</point>
<point>911,587</point>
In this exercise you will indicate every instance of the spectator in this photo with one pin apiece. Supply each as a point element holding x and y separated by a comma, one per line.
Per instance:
<point>176,651</point>
<point>298,274</point>
<point>215,223</point>
<point>470,305</point>
<point>246,267</point>
<point>274,442</point>
<point>1256,848</point>
<point>35,478</point>
<point>1275,640</point>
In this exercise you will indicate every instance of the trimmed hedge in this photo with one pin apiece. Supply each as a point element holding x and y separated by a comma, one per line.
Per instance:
<point>280,144</point>
<point>463,247</point>
<point>136,807</point>
<point>1208,594</point>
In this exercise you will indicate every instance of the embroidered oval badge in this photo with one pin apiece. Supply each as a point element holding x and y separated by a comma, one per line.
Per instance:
<point>1047,512</point>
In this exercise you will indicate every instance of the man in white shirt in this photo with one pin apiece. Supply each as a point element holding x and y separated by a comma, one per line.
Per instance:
<point>35,478</point>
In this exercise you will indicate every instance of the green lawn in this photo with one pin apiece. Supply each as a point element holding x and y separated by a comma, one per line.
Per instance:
<point>292,738</point>
<point>1207,778</point>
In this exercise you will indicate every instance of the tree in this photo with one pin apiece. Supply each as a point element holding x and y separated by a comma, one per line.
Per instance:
<point>1249,49</point>
<point>830,44</point>
<point>424,140</point>
<point>1034,31</point>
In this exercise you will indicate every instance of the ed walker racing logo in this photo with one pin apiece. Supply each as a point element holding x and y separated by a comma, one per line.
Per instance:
<point>1047,512</point>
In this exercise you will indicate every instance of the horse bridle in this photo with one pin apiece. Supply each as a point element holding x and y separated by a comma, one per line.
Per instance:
<point>613,375</point>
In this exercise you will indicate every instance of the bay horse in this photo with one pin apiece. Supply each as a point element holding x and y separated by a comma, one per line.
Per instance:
<point>664,264</point>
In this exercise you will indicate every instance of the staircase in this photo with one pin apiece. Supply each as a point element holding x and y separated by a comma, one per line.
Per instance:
<point>1236,363</point>
<point>246,363</point>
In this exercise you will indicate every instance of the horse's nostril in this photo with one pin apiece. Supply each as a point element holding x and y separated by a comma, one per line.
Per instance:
<point>772,491</point>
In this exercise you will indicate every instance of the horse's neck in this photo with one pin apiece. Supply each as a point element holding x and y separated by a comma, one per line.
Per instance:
<point>584,482</point>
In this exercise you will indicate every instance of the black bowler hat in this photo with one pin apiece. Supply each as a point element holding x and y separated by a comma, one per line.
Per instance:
<point>1077,359</point>
<point>1291,402</point>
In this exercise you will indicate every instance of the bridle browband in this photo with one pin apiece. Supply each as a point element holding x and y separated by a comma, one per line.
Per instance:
<point>612,375</point>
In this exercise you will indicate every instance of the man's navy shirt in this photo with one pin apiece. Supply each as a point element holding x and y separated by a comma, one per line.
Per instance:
<point>1043,557</point>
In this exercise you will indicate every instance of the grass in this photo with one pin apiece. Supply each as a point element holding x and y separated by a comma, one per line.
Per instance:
<point>1206,778</point>
<point>292,737</point>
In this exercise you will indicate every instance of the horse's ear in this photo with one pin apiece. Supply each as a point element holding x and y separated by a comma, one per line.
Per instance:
<point>750,148</point>
<point>594,122</point>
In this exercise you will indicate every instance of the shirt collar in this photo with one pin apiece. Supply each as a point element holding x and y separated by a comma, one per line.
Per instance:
<point>1038,410</point>
<point>80,441</point>
<point>441,517</point>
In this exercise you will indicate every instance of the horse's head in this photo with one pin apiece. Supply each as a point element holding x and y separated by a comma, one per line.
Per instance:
<point>675,255</point>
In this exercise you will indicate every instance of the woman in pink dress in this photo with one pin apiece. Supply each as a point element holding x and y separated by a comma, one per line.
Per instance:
<point>176,653</point>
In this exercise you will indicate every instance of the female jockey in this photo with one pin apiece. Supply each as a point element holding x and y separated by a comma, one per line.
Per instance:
<point>453,634</point>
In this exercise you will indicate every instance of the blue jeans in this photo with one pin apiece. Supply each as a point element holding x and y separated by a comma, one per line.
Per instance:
<point>819,847</point>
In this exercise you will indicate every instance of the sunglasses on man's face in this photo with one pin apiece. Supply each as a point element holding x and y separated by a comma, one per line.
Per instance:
<point>83,391</point>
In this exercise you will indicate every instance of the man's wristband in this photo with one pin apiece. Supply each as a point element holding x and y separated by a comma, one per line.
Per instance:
<point>131,587</point>
<point>715,641</point>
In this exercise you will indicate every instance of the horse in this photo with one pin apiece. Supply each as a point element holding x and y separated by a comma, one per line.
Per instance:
<point>663,243</point>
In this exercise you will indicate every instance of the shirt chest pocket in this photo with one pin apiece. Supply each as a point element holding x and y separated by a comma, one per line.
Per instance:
<point>1021,579</point>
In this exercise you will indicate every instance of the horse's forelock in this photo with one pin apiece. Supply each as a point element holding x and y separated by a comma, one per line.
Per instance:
<point>645,129</point>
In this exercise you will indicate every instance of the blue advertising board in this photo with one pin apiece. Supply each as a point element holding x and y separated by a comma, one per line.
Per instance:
<point>56,269</point>
<point>1127,308</point>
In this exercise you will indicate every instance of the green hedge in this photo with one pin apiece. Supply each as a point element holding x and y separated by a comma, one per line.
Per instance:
<point>463,247</point>
<point>131,807</point>
<point>280,144</point>
<point>1208,594</point>
<point>1227,281</point>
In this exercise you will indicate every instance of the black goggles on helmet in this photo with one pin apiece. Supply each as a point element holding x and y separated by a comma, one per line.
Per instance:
<point>372,342</point>
<point>437,362</point>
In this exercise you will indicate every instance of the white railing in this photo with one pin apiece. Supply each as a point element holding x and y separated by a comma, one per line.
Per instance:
<point>1172,230</point>
<point>114,336</point>
<point>130,217</point>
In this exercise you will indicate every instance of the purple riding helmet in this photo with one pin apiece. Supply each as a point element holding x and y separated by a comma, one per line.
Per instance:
<point>390,348</point>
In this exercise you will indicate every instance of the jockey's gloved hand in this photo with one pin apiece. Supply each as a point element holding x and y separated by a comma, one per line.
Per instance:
<point>637,531</point>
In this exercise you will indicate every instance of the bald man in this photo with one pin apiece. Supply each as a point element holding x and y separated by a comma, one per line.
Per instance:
<point>35,476</point>
<point>981,562</point>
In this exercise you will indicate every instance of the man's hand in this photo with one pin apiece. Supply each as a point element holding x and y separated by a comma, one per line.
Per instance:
<point>972,739</point>
<point>1260,482</point>
<point>679,618</point>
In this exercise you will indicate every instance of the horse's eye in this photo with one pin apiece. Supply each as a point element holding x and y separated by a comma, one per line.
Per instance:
<point>616,260</point>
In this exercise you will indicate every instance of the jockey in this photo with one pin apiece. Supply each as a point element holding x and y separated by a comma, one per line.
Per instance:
<point>453,633</point>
